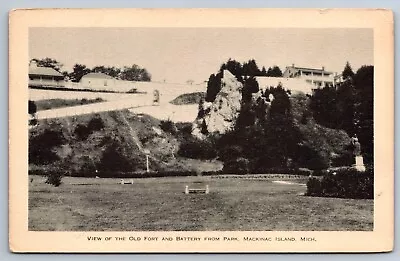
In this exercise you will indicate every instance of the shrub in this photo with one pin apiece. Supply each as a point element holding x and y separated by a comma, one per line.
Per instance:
<point>32,107</point>
<point>54,179</point>
<point>168,126</point>
<point>114,158</point>
<point>236,166</point>
<point>197,149</point>
<point>95,124</point>
<point>82,132</point>
<point>343,183</point>
<point>41,146</point>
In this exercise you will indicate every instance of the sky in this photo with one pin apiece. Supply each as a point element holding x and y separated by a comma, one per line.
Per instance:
<point>177,55</point>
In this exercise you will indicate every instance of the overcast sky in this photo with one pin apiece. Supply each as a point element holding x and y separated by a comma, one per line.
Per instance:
<point>180,54</point>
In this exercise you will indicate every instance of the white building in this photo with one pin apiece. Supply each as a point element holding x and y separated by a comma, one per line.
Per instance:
<point>104,82</point>
<point>315,76</point>
<point>44,76</point>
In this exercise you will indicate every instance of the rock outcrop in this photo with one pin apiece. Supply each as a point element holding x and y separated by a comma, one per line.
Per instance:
<point>220,116</point>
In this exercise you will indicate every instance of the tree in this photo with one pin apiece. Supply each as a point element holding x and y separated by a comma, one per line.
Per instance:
<point>78,71</point>
<point>263,71</point>
<point>347,71</point>
<point>213,86</point>
<point>275,71</point>
<point>135,73</point>
<point>111,71</point>
<point>364,109</point>
<point>32,107</point>
<point>48,62</point>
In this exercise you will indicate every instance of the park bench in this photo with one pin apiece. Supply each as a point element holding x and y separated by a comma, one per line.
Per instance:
<point>205,190</point>
<point>122,181</point>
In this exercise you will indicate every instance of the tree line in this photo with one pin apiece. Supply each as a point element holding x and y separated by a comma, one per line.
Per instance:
<point>349,106</point>
<point>128,73</point>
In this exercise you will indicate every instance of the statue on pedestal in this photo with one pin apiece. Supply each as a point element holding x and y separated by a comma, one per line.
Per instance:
<point>359,160</point>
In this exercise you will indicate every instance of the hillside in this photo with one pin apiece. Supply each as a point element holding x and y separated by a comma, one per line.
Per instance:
<point>188,98</point>
<point>107,142</point>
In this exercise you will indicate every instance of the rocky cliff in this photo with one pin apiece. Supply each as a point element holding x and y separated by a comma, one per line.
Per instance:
<point>220,116</point>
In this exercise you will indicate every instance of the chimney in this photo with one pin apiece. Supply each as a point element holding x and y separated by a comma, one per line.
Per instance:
<point>323,68</point>
<point>293,65</point>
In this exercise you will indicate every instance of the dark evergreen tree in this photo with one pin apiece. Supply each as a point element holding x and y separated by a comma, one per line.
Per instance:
<point>78,71</point>
<point>347,71</point>
<point>275,71</point>
<point>364,109</point>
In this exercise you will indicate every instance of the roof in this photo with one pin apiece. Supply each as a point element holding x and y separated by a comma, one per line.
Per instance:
<point>309,69</point>
<point>97,76</point>
<point>47,71</point>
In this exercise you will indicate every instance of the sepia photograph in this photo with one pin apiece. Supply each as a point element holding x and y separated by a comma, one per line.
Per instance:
<point>201,128</point>
<point>191,129</point>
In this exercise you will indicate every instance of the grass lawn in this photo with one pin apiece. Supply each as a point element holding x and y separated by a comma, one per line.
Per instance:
<point>60,103</point>
<point>154,204</point>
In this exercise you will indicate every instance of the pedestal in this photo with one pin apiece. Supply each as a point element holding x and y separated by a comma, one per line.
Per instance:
<point>359,166</point>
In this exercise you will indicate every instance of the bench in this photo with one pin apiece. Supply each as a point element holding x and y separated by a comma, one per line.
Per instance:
<point>205,190</point>
<point>126,181</point>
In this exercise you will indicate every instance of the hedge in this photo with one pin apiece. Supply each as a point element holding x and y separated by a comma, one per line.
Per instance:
<point>343,183</point>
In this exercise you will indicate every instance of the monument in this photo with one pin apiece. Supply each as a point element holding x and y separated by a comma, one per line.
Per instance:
<point>359,160</point>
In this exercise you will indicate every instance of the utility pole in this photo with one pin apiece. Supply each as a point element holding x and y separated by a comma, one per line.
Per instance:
<point>147,152</point>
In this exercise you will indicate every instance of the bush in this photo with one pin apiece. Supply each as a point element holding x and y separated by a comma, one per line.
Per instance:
<point>41,146</point>
<point>82,132</point>
<point>32,107</point>
<point>197,149</point>
<point>343,183</point>
<point>95,124</point>
<point>54,179</point>
<point>237,166</point>
<point>168,126</point>
<point>114,159</point>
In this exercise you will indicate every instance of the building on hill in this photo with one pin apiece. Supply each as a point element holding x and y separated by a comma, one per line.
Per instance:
<point>315,76</point>
<point>44,76</point>
<point>97,81</point>
<point>292,84</point>
<point>104,82</point>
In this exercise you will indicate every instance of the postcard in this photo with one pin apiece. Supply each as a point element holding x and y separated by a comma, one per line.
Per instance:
<point>201,130</point>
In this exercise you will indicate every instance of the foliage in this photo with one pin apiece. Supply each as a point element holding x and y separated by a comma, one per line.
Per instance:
<point>349,106</point>
<point>111,71</point>
<point>168,126</point>
<point>345,183</point>
<point>32,107</point>
<point>275,71</point>
<point>188,98</point>
<point>82,131</point>
<point>237,166</point>
<point>42,145</point>
<point>78,71</point>
<point>244,73</point>
<point>114,158</point>
<point>213,86</point>
<point>48,62</point>
<point>347,72</point>
<point>95,124</point>
<point>135,73</point>
<point>59,103</point>
<point>197,149</point>
<point>54,179</point>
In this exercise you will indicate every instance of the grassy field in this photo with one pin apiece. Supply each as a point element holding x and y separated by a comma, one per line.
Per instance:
<point>153,204</point>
